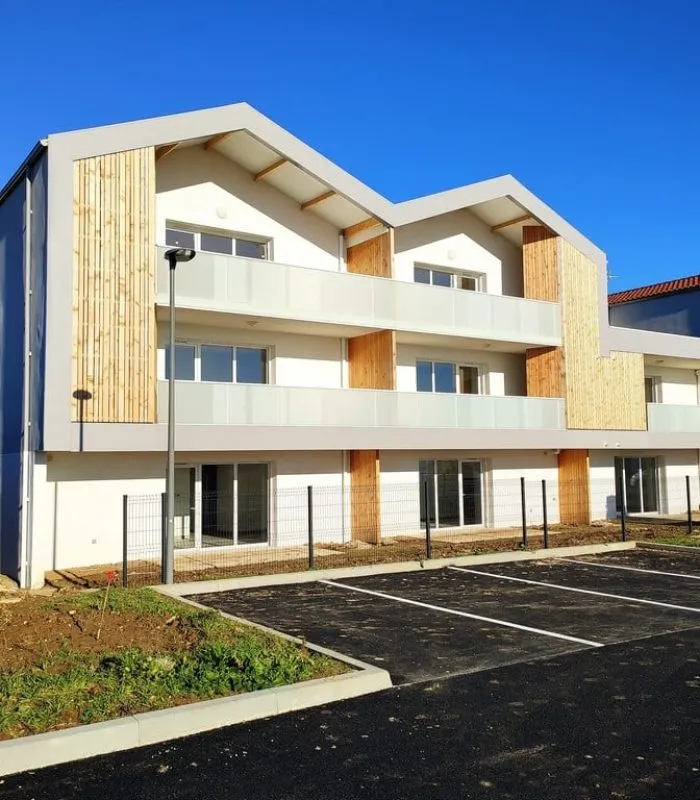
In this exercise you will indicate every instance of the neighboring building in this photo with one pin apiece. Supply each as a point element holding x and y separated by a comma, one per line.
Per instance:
<point>327,337</point>
<point>668,307</point>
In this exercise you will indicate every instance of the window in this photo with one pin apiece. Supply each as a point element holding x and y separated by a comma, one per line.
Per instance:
<point>636,484</point>
<point>454,493</point>
<point>219,505</point>
<point>184,362</point>
<point>440,376</point>
<point>218,363</point>
<point>652,388</point>
<point>471,282</point>
<point>225,243</point>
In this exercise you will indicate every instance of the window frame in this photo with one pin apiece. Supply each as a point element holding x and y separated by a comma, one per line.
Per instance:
<point>456,367</point>
<point>656,382</point>
<point>455,273</point>
<point>198,362</point>
<point>435,492</point>
<point>234,236</point>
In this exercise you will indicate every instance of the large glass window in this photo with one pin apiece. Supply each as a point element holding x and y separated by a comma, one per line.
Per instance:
<point>472,282</point>
<point>445,377</point>
<point>636,485</point>
<point>217,242</point>
<point>454,493</point>
<point>218,363</point>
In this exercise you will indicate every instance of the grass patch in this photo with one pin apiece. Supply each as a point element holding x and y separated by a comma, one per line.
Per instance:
<point>154,652</point>
<point>682,539</point>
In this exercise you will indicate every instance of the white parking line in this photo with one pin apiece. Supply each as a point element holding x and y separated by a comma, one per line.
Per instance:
<point>630,569</point>
<point>443,610</point>
<point>575,589</point>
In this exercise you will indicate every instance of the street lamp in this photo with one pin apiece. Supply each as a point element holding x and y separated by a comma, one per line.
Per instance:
<point>174,257</point>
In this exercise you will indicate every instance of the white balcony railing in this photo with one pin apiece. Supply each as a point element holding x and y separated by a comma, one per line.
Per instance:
<point>668,418</point>
<point>266,405</point>
<point>268,289</point>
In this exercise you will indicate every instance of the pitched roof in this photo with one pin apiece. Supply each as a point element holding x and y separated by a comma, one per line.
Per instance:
<point>654,290</point>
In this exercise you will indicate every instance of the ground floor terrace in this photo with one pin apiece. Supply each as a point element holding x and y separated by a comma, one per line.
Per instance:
<point>103,508</point>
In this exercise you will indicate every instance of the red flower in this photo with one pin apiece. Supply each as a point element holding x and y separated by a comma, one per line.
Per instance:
<point>111,576</point>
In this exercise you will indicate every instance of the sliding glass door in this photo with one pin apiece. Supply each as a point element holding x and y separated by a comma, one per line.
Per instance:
<point>455,496</point>
<point>637,479</point>
<point>222,504</point>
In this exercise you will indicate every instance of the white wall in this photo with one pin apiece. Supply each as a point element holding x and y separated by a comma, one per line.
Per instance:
<point>501,490</point>
<point>678,386</point>
<point>78,502</point>
<point>504,372</point>
<point>205,189</point>
<point>296,360</point>
<point>460,241</point>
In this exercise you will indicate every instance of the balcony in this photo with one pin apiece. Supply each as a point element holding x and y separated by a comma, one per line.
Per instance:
<point>267,289</point>
<point>668,418</point>
<point>266,405</point>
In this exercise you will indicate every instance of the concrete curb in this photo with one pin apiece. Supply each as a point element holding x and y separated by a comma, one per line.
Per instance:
<point>678,548</point>
<point>151,727</point>
<point>252,581</point>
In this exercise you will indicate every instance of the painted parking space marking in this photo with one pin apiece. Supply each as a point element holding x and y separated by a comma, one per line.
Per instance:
<point>630,569</point>
<point>562,588</point>
<point>467,615</point>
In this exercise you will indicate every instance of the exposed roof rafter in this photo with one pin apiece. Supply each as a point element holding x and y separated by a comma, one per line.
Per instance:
<point>270,168</point>
<point>163,151</point>
<point>360,227</point>
<point>216,140</point>
<point>315,200</point>
<point>508,223</point>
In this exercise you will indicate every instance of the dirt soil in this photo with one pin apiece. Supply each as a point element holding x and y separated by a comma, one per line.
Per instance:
<point>404,548</point>
<point>34,627</point>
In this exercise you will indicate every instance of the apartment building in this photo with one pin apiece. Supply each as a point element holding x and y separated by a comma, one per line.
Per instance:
<point>326,337</point>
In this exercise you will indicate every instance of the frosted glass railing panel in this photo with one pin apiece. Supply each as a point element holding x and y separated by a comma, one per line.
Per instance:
<point>267,288</point>
<point>238,404</point>
<point>668,418</point>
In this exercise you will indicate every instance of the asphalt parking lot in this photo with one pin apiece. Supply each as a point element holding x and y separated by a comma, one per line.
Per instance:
<point>550,679</point>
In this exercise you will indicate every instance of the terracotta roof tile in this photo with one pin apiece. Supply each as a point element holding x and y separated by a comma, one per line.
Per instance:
<point>654,290</point>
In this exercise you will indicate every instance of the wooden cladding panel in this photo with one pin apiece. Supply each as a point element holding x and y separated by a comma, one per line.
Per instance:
<point>373,257</point>
<point>540,264</point>
<point>365,508</point>
<point>372,361</point>
<point>602,392</point>
<point>114,326</point>
<point>544,368</point>
<point>574,487</point>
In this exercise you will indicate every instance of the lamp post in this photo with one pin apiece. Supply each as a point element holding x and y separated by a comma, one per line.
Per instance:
<point>174,256</point>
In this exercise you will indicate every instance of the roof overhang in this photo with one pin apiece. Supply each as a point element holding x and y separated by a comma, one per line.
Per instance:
<point>277,157</point>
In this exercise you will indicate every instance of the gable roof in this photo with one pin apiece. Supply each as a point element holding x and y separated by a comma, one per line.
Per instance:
<point>501,202</point>
<point>655,290</point>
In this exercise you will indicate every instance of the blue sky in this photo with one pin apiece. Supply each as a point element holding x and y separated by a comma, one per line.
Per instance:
<point>593,104</point>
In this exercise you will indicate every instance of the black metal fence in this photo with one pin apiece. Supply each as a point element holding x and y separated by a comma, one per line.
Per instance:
<point>226,534</point>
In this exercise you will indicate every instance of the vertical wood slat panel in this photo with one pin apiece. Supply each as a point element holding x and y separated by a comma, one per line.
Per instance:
<point>544,369</point>
<point>372,361</point>
<point>365,496</point>
<point>373,257</point>
<point>574,487</point>
<point>602,392</point>
<point>540,264</point>
<point>114,333</point>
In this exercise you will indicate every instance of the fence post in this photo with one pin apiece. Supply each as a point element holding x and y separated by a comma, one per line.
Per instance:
<point>523,510</point>
<point>428,542</point>
<point>125,541</point>
<point>545,530</point>
<point>690,509</point>
<point>163,538</point>
<point>623,511</point>
<point>310,523</point>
